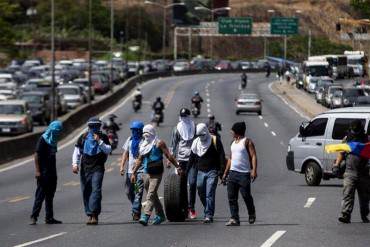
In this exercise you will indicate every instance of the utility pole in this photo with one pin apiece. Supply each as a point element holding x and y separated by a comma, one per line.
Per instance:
<point>53,113</point>
<point>164,34</point>
<point>90,51</point>
<point>111,44</point>
<point>285,48</point>
<point>189,49</point>
<point>264,47</point>
<point>309,43</point>
<point>175,44</point>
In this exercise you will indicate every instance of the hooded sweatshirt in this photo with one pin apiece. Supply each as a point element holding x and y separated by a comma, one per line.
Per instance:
<point>182,138</point>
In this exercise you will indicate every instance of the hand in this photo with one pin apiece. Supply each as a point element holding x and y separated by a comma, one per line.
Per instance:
<point>168,164</point>
<point>96,137</point>
<point>253,175</point>
<point>75,169</point>
<point>122,171</point>
<point>133,178</point>
<point>179,170</point>
<point>335,170</point>
<point>37,174</point>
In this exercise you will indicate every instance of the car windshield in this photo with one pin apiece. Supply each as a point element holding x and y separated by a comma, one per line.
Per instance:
<point>83,82</point>
<point>11,109</point>
<point>32,98</point>
<point>318,70</point>
<point>5,80</point>
<point>353,93</point>
<point>323,83</point>
<point>354,61</point>
<point>248,96</point>
<point>67,90</point>
<point>338,93</point>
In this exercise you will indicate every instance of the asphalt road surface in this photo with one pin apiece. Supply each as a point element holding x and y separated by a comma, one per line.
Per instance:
<point>289,213</point>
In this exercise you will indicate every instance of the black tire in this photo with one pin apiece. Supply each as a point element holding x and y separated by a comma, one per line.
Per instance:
<point>237,112</point>
<point>312,174</point>
<point>259,113</point>
<point>175,198</point>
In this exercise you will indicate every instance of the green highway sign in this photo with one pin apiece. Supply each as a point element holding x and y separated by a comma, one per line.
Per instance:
<point>284,26</point>
<point>241,25</point>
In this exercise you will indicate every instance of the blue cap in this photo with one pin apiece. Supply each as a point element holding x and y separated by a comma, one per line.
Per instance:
<point>136,125</point>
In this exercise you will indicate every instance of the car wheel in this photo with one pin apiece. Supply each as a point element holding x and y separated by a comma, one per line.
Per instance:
<point>237,112</point>
<point>259,113</point>
<point>313,174</point>
<point>175,197</point>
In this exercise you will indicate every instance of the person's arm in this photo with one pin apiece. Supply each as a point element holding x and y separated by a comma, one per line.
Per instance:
<point>37,166</point>
<point>124,159</point>
<point>137,165</point>
<point>227,169</point>
<point>253,157</point>
<point>76,157</point>
<point>223,161</point>
<point>106,148</point>
<point>174,142</point>
<point>162,145</point>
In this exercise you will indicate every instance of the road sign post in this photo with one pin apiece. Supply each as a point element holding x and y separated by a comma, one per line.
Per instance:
<point>241,25</point>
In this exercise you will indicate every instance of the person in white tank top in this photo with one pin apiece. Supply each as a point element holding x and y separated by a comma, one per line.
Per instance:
<point>241,170</point>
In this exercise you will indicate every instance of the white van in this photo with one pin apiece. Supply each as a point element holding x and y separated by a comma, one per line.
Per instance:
<point>306,154</point>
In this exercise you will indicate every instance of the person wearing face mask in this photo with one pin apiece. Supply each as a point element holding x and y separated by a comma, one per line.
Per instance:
<point>182,138</point>
<point>134,191</point>
<point>207,154</point>
<point>241,170</point>
<point>89,157</point>
<point>46,173</point>
<point>151,153</point>
<point>356,176</point>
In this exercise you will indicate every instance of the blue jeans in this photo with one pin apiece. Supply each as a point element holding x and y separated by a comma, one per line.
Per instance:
<point>192,180</point>
<point>207,184</point>
<point>91,186</point>
<point>45,191</point>
<point>135,197</point>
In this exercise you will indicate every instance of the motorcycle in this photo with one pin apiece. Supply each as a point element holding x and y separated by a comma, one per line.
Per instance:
<point>195,111</point>
<point>244,84</point>
<point>113,139</point>
<point>111,128</point>
<point>136,105</point>
<point>157,117</point>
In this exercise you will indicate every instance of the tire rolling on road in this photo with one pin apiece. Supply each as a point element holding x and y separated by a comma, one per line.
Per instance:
<point>175,198</point>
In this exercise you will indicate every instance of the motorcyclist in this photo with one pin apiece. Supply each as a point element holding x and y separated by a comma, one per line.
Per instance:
<point>158,107</point>
<point>213,126</point>
<point>138,96</point>
<point>244,80</point>
<point>268,69</point>
<point>111,125</point>
<point>197,100</point>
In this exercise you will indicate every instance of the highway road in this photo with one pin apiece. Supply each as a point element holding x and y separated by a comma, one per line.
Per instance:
<point>289,213</point>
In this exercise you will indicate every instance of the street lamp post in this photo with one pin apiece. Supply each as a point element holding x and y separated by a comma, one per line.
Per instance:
<point>212,11</point>
<point>164,8</point>
<point>53,113</point>
<point>111,44</point>
<point>90,55</point>
<point>309,42</point>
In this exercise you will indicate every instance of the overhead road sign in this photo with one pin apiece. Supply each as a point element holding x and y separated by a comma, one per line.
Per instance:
<point>284,26</point>
<point>240,25</point>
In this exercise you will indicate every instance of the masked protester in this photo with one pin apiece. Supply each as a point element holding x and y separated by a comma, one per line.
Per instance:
<point>241,170</point>
<point>213,126</point>
<point>356,176</point>
<point>207,154</point>
<point>134,191</point>
<point>46,173</point>
<point>89,157</point>
<point>151,154</point>
<point>182,138</point>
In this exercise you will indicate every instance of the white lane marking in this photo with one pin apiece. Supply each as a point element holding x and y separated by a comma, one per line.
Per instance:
<point>207,94</point>
<point>208,105</point>
<point>269,242</point>
<point>266,125</point>
<point>213,82</point>
<point>288,104</point>
<point>309,202</point>
<point>22,163</point>
<point>273,133</point>
<point>40,240</point>
<point>208,100</point>
<point>260,117</point>
<point>18,199</point>
<point>209,110</point>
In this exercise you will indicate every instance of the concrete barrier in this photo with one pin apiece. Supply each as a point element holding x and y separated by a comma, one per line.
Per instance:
<point>24,145</point>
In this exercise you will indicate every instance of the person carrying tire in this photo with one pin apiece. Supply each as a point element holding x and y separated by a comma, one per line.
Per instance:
<point>46,173</point>
<point>89,157</point>
<point>207,154</point>
<point>182,138</point>
<point>241,170</point>
<point>356,176</point>
<point>151,154</point>
<point>134,191</point>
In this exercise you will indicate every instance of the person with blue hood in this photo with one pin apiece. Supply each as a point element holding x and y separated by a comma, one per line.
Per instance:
<point>46,173</point>
<point>131,148</point>
<point>89,157</point>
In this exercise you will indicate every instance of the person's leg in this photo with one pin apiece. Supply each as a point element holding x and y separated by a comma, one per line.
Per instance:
<point>49,197</point>
<point>201,187</point>
<point>85,179</point>
<point>153,201</point>
<point>136,206</point>
<point>96,192</point>
<point>211,185</point>
<point>232,194</point>
<point>349,187</point>
<point>192,180</point>
<point>245,191</point>
<point>363,190</point>
<point>130,188</point>
<point>39,198</point>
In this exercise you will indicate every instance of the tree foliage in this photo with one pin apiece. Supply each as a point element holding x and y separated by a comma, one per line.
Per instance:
<point>363,6</point>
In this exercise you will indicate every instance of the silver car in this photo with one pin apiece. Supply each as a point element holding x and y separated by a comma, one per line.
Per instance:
<point>248,103</point>
<point>15,117</point>
<point>72,94</point>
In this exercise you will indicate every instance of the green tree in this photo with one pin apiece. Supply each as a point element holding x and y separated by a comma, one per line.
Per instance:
<point>363,6</point>
<point>9,11</point>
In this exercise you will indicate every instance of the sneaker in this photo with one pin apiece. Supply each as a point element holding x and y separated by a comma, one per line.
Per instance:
<point>344,219</point>
<point>135,216</point>
<point>365,219</point>
<point>33,221</point>
<point>207,220</point>
<point>144,219</point>
<point>252,219</point>
<point>88,222</point>
<point>158,220</point>
<point>192,214</point>
<point>52,221</point>
<point>94,220</point>
<point>233,222</point>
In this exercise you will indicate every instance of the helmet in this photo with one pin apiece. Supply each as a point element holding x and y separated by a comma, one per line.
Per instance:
<point>158,98</point>
<point>184,112</point>
<point>136,125</point>
<point>196,93</point>
<point>212,117</point>
<point>112,116</point>
<point>94,122</point>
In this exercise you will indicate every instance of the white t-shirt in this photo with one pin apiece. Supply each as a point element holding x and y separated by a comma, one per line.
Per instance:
<point>131,159</point>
